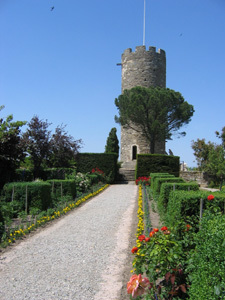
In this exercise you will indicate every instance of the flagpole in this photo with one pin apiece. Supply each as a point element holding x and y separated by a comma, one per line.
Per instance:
<point>144,26</point>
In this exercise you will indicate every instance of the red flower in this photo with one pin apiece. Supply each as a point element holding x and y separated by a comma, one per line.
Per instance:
<point>134,250</point>
<point>152,233</point>
<point>164,228</point>
<point>210,197</point>
<point>141,237</point>
<point>155,229</point>
<point>188,227</point>
<point>147,239</point>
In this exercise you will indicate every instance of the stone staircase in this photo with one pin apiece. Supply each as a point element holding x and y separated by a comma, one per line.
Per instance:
<point>127,171</point>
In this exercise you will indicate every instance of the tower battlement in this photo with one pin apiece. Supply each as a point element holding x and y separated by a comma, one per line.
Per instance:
<point>143,67</point>
<point>142,49</point>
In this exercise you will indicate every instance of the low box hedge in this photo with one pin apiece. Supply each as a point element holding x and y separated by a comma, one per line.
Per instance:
<point>166,189</point>
<point>158,182</point>
<point>206,264</point>
<point>184,204</point>
<point>61,188</point>
<point>38,194</point>
<point>159,175</point>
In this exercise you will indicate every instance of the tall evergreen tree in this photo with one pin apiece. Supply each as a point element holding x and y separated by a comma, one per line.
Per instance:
<point>112,143</point>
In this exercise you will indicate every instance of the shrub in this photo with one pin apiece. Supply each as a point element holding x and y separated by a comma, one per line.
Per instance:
<point>56,173</point>
<point>159,181</point>
<point>159,175</point>
<point>149,163</point>
<point>165,190</point>
<point>107,162</point>
<point>38,194</point>
<point>62,188</point>
<point>83,182</point>
<point>185,204</point>
<point>207,265</point>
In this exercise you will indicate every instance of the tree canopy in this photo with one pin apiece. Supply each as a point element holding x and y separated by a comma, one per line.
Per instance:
<point>11,151</point>
<point>211,157</point>
<point>157,113</point>
<point>112,143</point>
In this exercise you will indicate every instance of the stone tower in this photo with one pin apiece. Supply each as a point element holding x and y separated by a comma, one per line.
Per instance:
<point>141,68</point>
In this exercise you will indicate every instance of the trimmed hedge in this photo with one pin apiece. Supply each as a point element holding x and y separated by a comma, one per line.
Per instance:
<point>159,181</point>
<point>38,194</point>
<point>166,189</point>
<point>207,264</point>
<point>148,163</point>
<point>183,204</point>
<point>158,175</point>
<point>56,173</point>
<point>61,188</point>
<point>107,162</point>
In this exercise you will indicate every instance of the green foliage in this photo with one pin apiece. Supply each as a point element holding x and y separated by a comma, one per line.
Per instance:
<point>107,162</point>
<point>207,265</point>
<point>23,175</point>
<point>57,173</point>
<point>11,151</point>
<point>185,204</point>
<point>158,175</point>
<point>38,194</point>
<point>157,163</point>
<point>201,152</point>
<point>62,188</point>
<point>165,190</point>
<point>112,143</point>
<point>159,181</point>
<point>156,112</point>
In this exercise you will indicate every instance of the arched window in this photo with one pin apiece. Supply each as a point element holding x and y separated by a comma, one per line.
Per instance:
<point>134,152</point>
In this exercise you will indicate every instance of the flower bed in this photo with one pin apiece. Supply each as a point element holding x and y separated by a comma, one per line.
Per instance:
<point>11,237</point>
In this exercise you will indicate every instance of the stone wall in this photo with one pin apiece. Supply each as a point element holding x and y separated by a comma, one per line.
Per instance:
<point>198,176</point>
<point>141,68</point>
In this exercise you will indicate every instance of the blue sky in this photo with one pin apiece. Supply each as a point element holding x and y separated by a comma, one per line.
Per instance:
<point>61,64</point>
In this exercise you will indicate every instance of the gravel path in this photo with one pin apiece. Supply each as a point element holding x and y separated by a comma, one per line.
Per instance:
<point>80,257</point>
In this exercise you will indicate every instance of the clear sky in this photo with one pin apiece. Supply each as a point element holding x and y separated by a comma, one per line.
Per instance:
<point>60,64</point>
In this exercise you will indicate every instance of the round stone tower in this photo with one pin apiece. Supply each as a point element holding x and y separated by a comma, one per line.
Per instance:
<point>141,68</point>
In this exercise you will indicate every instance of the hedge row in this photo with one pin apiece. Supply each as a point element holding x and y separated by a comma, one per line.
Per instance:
<point>166,189</point>
<point>106,162</point>
<point>159,181</point>
<point>158,175</point>
<point>148,163</point>
<point>40,195</point>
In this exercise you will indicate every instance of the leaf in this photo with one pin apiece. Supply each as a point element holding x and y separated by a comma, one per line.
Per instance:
<point>172,279</point>
<point>183,288</point>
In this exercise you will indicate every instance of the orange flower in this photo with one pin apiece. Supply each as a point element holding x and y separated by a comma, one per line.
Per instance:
<point>141,237</point>
<point>152,233</point>
<point>156,229</point>
<point>136,286</point>
<point>134,250</point>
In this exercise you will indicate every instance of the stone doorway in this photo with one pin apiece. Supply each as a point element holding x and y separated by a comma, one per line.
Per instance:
<point>134,152</point>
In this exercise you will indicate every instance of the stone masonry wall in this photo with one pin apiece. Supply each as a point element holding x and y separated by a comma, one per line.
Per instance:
<point>141,68</point>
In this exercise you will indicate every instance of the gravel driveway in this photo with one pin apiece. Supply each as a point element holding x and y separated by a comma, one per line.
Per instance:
<point>80,257</point>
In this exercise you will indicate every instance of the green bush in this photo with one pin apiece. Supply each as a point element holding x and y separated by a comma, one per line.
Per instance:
<point>185,204</point>
<point>207,264</point>
<point>149,163</point>
<point>165,190</point>
<point>159,181</point>
<point>158,175</point>
<point>2,227</point>
<point>38,194</point>
<point>23,175</point>
<point>62,188</point>
<point>56,173</point>
<point>107,162</point>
